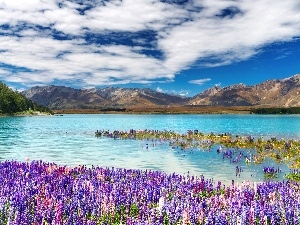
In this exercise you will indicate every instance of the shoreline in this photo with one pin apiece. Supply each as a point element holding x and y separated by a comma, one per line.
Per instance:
<point>179,110</point>
<point>163,110</point>
<point>20,114</point>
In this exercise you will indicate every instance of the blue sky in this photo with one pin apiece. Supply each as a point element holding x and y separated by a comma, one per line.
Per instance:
<point>174,46</point>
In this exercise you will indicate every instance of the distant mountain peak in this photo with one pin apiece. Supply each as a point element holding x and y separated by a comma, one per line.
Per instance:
<point>236,86</point>
<point>285,92</point>
<point>295,78</point>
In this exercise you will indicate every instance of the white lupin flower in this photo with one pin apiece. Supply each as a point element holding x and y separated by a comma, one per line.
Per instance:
<point>161,203</point>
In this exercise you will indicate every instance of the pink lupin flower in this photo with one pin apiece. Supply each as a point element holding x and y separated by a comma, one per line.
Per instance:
<point>104,205</point>
<point>185,217</point>
<point>272,197</point>
<point>87,184</point>
<point>251,215</point>
<point>58,213</point>
<point>112,208</point>
<point>67,170</point>
<point>201,217</point>
<point>100,176</point>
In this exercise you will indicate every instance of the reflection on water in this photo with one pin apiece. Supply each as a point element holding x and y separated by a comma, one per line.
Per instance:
<point>70,140</point>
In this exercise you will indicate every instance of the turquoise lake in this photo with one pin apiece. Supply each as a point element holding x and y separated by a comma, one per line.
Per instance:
<point>70,140</point>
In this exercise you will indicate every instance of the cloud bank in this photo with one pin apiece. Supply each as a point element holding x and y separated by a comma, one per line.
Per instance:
<point>200,81</point>
<point>91,43</point>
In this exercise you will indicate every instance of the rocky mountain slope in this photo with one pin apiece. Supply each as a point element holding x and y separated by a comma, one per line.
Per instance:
<point>60,97</point>
<point>281,93</point>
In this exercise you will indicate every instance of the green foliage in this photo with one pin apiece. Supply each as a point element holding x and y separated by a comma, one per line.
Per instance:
<point>12,102</point>
<point>293,176</point>
<point>291,110</point>
<point>269,176</point>
<point>113,109</point>
<point>41,108</point>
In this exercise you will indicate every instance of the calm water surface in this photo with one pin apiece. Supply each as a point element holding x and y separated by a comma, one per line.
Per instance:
<point>70,140</point>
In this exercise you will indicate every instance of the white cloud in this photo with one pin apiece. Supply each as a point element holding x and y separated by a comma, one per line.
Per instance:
<point>229,40</point>
<point>31,52</point>
<point>200,81</point>
<point>182,93</point>
<point>131,15</point>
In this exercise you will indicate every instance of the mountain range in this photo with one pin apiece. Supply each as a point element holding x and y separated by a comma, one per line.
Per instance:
<point>273,93</point>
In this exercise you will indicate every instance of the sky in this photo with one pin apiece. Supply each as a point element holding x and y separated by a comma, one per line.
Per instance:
<point>174,46</point>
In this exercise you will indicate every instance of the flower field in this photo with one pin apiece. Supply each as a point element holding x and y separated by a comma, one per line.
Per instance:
<point>45,193</point>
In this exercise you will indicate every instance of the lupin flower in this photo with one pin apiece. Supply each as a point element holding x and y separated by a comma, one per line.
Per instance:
<point>185,217</point>
<point>53,194</point>
<point>161,203</point>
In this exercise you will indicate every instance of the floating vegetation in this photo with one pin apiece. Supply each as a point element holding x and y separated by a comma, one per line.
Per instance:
<point>271,172</point>
<point>293,175</point>
<point>259,149</point>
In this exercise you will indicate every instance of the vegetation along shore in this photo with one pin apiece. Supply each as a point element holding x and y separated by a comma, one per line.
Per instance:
<point>185,110</point>
<point>13,103</point>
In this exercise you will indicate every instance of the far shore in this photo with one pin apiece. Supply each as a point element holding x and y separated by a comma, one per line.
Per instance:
<point>187,109</point>
<point>35,113</point>
<point>164,110</point>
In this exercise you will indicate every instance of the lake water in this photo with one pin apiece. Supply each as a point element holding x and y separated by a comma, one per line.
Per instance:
<point>70,140</point>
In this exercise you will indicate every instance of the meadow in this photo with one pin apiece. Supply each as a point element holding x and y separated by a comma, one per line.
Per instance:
<point>45,193</point>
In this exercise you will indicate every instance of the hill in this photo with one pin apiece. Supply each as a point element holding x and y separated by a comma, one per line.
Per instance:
<point>271,93</point>
<point>60,97</point>
<point>12,102</point>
